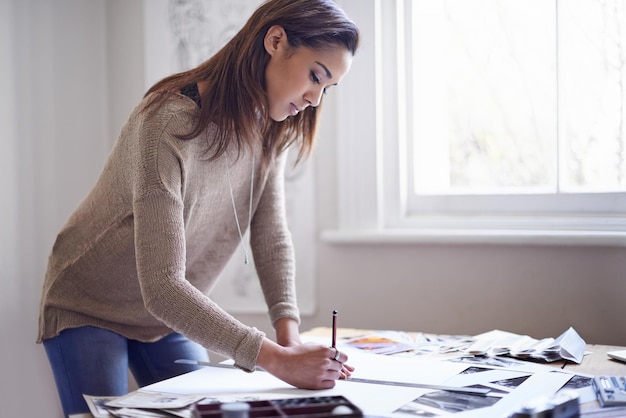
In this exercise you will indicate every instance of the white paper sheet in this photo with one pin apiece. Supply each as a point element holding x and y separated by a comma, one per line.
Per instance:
<point>214,381</point>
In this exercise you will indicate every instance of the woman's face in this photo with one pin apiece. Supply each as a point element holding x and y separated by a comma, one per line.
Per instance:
<point>296,79</point>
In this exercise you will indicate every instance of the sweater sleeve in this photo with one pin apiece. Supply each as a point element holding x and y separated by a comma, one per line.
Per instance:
<point>272,246</point>
<point>160,246</point>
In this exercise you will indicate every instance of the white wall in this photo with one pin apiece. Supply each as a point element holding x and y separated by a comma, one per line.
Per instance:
<point>70,73</point>
<point>61,101</point>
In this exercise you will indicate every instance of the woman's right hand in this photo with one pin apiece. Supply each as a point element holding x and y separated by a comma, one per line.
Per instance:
<point>306,366</point>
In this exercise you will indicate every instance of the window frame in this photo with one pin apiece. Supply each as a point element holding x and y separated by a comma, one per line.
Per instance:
<point>373,202</point>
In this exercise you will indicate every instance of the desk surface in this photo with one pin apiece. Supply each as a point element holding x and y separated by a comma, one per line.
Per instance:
<point>596,363</point>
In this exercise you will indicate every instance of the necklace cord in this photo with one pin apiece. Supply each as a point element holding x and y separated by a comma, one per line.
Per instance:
<point>246,259</point>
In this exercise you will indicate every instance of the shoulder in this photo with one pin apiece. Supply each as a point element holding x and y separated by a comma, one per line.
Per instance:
<point>173,110</point>
<point>149,149</point>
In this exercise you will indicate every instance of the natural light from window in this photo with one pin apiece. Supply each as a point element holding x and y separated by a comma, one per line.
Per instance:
<point>517,97</point>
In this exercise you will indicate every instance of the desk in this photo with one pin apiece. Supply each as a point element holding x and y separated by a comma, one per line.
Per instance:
<point>596,363</point>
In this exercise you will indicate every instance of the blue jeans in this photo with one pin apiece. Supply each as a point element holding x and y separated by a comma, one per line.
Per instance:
<point>94,361</point>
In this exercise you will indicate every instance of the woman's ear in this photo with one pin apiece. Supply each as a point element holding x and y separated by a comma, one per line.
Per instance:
<point>275,39</point>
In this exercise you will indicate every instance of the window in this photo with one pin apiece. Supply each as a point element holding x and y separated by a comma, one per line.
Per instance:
<point>487,116</point>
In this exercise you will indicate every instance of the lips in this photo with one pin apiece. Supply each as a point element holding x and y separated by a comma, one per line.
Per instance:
<point>294,109</point>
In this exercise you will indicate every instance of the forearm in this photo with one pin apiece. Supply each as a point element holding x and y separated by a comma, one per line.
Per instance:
<point>287,332</point>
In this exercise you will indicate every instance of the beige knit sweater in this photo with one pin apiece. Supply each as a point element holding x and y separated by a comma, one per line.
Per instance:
<point>142,252</point>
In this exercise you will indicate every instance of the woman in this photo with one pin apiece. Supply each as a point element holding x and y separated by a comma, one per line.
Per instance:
<point>200,160</point>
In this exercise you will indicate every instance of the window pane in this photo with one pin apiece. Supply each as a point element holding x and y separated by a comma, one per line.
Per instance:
<point>484,96</point>
<point>592,95</point>
<point>485,110</point>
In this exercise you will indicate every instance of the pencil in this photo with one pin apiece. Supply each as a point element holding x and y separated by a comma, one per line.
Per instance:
<point>334,343</point>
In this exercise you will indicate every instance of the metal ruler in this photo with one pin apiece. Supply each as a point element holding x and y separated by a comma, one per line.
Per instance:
<point>473,391</point>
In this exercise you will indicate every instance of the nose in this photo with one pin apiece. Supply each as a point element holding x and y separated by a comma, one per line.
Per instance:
<point>314,97</point>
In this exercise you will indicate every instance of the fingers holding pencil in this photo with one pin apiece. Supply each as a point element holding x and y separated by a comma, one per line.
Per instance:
<point>346,370</point>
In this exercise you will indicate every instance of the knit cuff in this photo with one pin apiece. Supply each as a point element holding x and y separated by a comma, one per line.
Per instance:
<point>248,351</point>
<point>284,310</point>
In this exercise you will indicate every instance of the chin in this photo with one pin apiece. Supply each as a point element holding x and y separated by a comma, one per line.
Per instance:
<point>280,118</point>
<point>278,114</point>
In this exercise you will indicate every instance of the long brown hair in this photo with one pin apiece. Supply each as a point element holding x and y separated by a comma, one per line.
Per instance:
<point>235,100</point>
